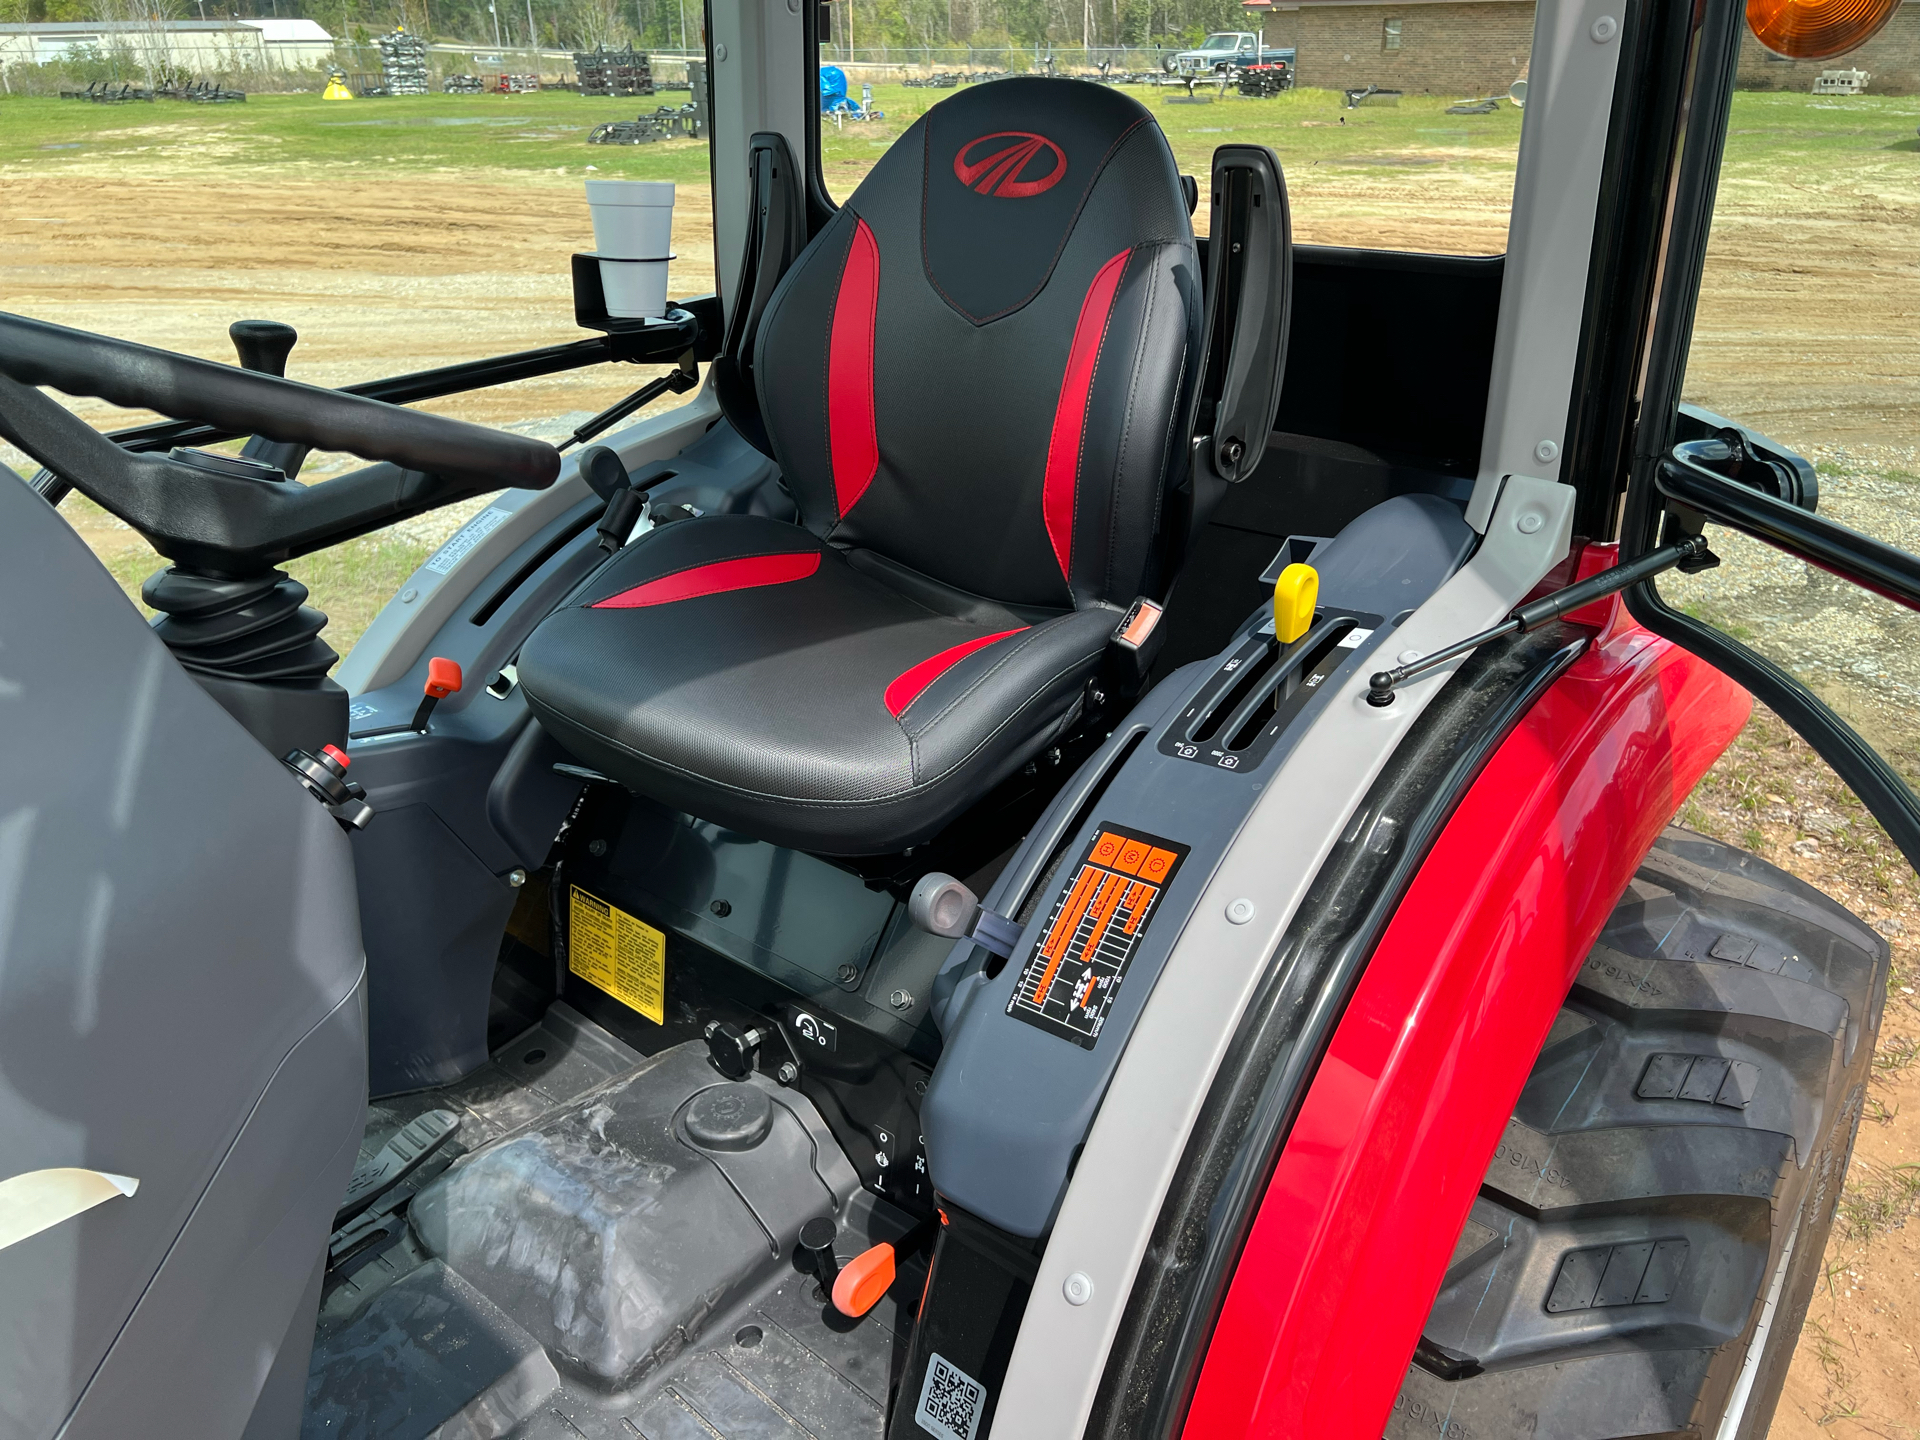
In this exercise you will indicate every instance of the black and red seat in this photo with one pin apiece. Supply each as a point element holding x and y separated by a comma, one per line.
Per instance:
<point>974,380</point>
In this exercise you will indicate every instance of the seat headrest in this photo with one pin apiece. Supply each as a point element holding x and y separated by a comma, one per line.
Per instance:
<point>1008,168</point>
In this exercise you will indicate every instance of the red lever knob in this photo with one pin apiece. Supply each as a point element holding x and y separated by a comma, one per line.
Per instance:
<point>863,1280</point>
<point>443,677</point>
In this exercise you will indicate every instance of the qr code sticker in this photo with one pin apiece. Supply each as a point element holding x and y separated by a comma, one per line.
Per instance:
<point>951,1401</point>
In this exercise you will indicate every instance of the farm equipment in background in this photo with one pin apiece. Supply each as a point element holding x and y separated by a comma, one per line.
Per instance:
<point>516,85</point>
<point>613,72</point>
<point>690,121</point>
<point>1369,95</point>
<point>201,92</point>
<point>669,122</point>
<point>403,63</point>
<point>1265,80</point>
<point>463,85</point>
<point>835,101</point>
<point>1841,82</point>
<point>103,92</point>
<point>939,80</point>
<point>1475,107</point>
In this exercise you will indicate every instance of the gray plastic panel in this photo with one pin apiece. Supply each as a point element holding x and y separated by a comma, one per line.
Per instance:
<point>437,915</point>
<point>1009,1102</point>
<point>1392,557</point>
<point>179,1003</point>
<point>242,1265</point>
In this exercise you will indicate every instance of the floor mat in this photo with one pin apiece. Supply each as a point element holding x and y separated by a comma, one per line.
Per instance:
<point>408,1349</point>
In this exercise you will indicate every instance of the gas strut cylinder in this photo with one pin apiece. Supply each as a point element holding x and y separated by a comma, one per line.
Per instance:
<point>1689,555</point>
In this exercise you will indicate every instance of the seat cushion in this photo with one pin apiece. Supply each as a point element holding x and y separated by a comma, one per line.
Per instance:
<point>747,672</point>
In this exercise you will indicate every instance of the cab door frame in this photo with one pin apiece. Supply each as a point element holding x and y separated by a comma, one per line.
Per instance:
<point>1670,491</point>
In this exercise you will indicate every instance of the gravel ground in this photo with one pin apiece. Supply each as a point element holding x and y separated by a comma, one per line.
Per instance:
<point>1858,652</point>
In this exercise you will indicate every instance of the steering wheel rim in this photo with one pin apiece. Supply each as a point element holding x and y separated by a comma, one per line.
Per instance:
<point>79,362</point>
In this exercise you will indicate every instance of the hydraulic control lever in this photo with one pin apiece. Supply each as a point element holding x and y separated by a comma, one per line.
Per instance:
<point>1689,555</point>
<point>859,1284</point>
<point>325,778</point>
<point>606,473</point>
<point>734,1051</point>
<point>443,679</point>
<point>941,905</point>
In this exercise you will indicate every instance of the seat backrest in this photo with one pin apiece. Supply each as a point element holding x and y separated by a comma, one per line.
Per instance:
<point>979,368</point>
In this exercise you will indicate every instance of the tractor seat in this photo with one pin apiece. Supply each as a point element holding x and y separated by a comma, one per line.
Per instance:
<point>974,380</point>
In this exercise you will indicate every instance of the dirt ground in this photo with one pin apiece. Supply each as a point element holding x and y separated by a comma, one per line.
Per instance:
<point>379,277</point>
<point>1809,329</point>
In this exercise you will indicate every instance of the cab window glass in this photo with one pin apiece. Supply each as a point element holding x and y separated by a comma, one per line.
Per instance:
<point>396,232</point>
<point>1808,331</point>
<point>1397,124</point>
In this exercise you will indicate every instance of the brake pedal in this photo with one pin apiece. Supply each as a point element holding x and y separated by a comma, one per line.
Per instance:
<point>397,1159</point>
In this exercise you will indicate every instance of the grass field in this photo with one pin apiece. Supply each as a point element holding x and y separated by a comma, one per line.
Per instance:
<point>398,234</point>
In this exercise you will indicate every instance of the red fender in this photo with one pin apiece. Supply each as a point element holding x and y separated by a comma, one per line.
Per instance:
<point>1355,1229</point>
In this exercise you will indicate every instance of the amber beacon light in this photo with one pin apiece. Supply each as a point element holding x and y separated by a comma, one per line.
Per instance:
<point>1817,29</point>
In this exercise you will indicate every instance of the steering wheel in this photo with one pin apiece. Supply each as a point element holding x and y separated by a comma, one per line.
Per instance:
<point>229,515</point>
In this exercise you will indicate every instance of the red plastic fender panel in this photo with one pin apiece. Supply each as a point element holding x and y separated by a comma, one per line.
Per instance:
<point>1353,1235</point>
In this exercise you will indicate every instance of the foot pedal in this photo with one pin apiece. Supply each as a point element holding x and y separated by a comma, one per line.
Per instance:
<point>398,1158</point>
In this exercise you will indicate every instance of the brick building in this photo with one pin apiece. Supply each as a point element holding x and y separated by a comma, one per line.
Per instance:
<point>1462,48</point>
<point>1455,48</point>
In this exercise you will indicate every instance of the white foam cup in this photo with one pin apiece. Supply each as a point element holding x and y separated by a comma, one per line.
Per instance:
<point>634,289</point>
<point>632,219</point>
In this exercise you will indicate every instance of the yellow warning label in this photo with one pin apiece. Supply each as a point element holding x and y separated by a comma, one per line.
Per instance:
<point>625,957</point>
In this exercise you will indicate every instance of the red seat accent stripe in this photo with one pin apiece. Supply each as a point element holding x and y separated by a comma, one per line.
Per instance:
<point>715,579</point>
<point>1070,414</point>
<point>906,689</point>
<point>852,440</point>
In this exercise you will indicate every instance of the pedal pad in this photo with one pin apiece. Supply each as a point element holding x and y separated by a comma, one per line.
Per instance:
<point>397,1159</point>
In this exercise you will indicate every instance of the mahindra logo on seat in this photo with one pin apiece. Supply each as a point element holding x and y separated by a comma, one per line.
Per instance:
<point>1002,169</point>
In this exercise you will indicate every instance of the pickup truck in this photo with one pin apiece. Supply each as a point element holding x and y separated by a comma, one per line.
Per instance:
<point>1226,50</point>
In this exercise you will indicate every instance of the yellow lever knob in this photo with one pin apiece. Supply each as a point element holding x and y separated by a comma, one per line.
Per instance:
<point>1295,594</point>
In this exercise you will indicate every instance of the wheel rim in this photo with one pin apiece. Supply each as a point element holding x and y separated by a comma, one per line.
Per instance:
<point>1750,1368</point>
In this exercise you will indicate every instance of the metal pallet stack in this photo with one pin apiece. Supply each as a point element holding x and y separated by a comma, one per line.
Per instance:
<point>403,63</point>
<point>613,72</point>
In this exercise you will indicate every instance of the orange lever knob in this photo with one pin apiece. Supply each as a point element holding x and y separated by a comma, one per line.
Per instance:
<point>863,1280</point>
<point>443,677</point>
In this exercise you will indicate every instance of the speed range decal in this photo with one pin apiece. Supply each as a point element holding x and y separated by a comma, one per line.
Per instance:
<point>1074,973</point>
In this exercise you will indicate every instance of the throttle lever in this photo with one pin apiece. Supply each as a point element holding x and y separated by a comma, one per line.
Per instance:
<point>942,905</point>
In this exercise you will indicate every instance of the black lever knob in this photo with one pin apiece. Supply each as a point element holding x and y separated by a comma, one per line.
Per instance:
<point>604,471</point>
<point>263,345</point>
<point>816,1239</point>
<point>732,1049</point>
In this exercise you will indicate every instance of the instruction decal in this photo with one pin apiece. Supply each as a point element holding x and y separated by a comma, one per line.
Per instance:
<point>623,956</point>
<point>1071,979</point>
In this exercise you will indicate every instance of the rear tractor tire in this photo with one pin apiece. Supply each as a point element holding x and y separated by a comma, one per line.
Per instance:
<point>1650,1230</point>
